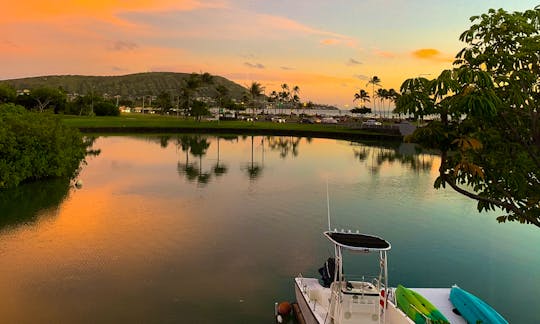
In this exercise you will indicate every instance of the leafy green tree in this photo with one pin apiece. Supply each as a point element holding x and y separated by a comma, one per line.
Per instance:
<point>489,128</point>
<point>82,105</point>
<point>105,108</point>
<point>36,146</point>
<point>44,98</point>
<point>7,93</point>
<point>199,109</point>
<point>164,101</point>
<point>415,98</point>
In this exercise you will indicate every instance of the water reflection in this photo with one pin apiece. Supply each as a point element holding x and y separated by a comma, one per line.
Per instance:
<point>254,169</point>
<point>410,155</point>
<point>284,145</point>
<point>192,152</point>
<point>197,146</point>
<point>220,168</point>
<point>139,243</point>
<point>25,203</point>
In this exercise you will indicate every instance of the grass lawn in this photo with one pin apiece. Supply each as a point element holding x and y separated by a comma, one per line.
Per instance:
<point>134,123</point>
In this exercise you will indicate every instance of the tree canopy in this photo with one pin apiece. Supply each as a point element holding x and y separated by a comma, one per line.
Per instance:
<point>489,128</point>
<point>36,146</point>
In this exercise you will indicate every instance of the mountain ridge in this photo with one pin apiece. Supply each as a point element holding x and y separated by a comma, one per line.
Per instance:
<point>129,85</point>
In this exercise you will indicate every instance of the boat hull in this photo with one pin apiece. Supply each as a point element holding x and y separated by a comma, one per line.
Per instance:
<point>302,301</point>
<point>473,309</point>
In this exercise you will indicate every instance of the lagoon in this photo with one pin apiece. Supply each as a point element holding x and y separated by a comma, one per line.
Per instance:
<point>206,229</point>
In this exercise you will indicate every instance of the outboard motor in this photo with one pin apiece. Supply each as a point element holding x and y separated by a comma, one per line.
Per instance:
<point>328,271</point>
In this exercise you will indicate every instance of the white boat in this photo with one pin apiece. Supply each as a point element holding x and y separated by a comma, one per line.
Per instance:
<point>340,299</point>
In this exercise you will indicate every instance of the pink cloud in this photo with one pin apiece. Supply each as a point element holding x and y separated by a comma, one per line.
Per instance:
<point>384,54</point>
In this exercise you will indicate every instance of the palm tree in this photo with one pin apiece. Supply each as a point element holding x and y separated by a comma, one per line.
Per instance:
<point>363,96</point>
<point>255,90</point>
<point>392,97</point>
<point>374,81</point>
<point>295,98</point>
<point>222,93</point>
<point>191,84</point>
<point>381,94</point>
<point>285,94</point>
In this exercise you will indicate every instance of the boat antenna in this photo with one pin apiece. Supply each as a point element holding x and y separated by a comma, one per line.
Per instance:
<point>328,204</point>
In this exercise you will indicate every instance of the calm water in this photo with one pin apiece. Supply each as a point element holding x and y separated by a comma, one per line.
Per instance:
<point>195,229</point>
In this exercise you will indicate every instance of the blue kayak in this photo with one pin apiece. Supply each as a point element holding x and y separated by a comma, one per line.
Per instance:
<point>473,309</point>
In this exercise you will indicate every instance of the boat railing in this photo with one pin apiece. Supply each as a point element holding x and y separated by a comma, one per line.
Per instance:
<point>427,319</point>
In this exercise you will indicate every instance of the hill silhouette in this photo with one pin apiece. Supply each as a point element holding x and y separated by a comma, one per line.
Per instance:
<point>131,85</point>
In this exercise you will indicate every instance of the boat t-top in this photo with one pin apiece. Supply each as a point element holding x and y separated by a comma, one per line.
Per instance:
<point>339,298</point>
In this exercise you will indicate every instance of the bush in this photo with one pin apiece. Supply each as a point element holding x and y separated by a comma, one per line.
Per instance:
<point>106,108</point>
<point>36,146</point>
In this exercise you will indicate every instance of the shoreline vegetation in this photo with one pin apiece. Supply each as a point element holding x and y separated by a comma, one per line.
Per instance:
<point>139,123</point>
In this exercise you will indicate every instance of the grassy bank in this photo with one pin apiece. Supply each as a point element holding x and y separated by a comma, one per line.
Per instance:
<point>138,123</point>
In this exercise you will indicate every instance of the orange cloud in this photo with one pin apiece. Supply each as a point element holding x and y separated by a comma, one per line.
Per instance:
<point>430,54</point>
<point>426,53</point>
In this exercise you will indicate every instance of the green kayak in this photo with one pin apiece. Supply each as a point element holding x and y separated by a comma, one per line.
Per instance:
<point>417,307</point>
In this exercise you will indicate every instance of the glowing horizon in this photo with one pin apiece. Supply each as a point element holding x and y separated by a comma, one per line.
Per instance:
<point>328,49</point>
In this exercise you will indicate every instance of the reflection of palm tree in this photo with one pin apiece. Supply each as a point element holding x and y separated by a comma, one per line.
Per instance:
<point>164,141</point>
<point>185,168</point>
<point>254,169</point>
<point>284,145</point>
<point>199,147</point>
<point>361,154</point>
<point>219,169</point>
<point>379,155</point>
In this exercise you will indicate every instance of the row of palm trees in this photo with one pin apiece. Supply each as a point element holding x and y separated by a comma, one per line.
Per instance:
<point>288,96</point>
<point>382,94</point>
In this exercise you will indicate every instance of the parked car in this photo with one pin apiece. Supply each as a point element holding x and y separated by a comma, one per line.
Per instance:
<point>328,120</point>
<point>306,121</point>
<point>278,120</point>
<point>371,122</point>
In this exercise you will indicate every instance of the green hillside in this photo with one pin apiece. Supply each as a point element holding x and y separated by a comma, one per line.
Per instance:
<point>131,85</point>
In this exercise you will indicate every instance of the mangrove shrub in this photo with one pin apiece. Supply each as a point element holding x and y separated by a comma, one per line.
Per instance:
<point>36,146</point>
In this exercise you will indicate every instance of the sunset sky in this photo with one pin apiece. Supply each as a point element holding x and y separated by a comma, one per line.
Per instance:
<point>328,48</point>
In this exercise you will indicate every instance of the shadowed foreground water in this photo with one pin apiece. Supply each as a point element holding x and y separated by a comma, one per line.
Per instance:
<point>196,229</point>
